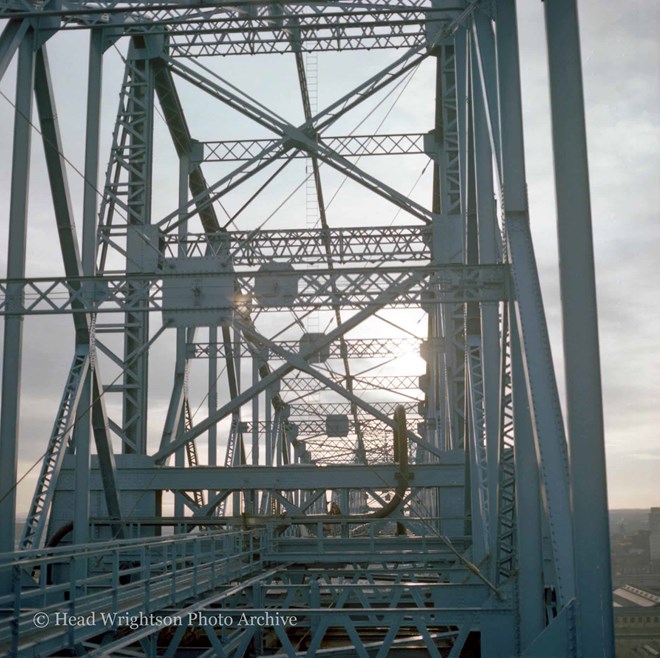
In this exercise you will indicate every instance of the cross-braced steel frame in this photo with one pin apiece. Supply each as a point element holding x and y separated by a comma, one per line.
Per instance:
<point>362,428</point>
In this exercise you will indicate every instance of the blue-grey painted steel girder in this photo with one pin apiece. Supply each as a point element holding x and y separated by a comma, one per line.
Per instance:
<point>11,37</point>
<point>477,514</point>
<point>357,348</point>
<point>257,28</point>
<point>584,406</point>
<point>13,329</point>
<point>143,292</point>
<point>547,420</point>
<point>354,146</point>
<point>297,476</point>
<point>302,246</point>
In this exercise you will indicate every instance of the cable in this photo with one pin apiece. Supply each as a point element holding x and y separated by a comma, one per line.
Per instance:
<point>54,146</point>
<point>233,218</point>
<point>405,82</point>
<point>412,189</point>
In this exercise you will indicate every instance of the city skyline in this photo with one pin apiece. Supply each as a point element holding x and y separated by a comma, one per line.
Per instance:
<point>620,62</point>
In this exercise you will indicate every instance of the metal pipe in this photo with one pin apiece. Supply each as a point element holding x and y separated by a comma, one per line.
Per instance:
<point>400,446</point>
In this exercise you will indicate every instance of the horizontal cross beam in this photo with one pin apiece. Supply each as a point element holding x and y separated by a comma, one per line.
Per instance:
<point>449,472</point>
<point>348,146</point>
<point>349,288</point>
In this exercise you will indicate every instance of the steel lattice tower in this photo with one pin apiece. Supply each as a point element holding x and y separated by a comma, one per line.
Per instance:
<point>362,426</point>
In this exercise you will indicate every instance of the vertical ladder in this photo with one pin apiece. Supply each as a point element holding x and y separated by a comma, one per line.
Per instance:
<point>312,213</point>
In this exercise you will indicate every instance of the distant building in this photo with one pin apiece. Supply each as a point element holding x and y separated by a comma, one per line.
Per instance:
<point>654,519</point>
<point>654,539</point>
<point>630,555</point>
<point>636,622</point>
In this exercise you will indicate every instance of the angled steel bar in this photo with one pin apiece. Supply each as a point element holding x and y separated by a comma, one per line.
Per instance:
<point>74,265</point>
<point>346,167</point>
<point>10,40</point>
<point>243,172</point>
<point>59,186</point>
<point>406,62</point>
<point>35,524</point>
<point>103,442</point>
<point>175,407</point>
<point>461,638</point>
<point>319,122</point>
<point>183,141</point>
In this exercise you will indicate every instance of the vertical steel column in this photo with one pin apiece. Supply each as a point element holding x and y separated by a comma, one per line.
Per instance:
<point>584,409</point>
<point>92,152</point>
<point>268,396</point>
<point>474,383</point>
<point>528,504</point>
<point>13,338</point>
<point>449,225</point>
<point>488,238</point>
<point>546,415</point>
<point>181,358</point>
<point>255,426</point>
<point>140,127</point>
<point>83,427</point>
<point>213,395</point>
<point>447,323</point>
<point>255,412</point>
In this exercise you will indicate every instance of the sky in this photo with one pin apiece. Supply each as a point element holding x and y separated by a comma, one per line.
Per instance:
<point>621,71</point>
<point>621,60</point>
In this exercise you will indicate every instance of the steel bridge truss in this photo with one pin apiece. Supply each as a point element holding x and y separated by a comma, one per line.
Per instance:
<point>360,448</point>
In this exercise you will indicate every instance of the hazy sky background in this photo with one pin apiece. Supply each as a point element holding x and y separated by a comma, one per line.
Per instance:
<point>621,59</point>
